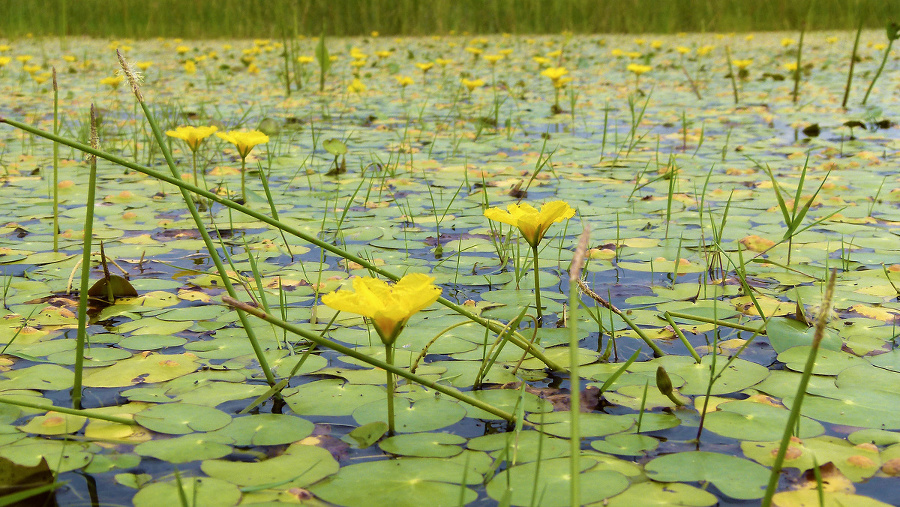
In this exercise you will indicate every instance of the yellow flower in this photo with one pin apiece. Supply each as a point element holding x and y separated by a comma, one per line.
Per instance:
<point>193,136</point>
<point>303,60</point>
<point>374,33</point>
<point>742,64</point>
<point>634,54</point>
<point>356,54</point>
<point>68,58</point>
<point>656,44</point>
<point>404,81</point>
<point>787,41</point>
<point>639,42</point>
<point>471,84</point>
<point>4,61</point>
<point>493,59</point>
<point>143,65</point>
<point>383,54</point>
<point>474,51</point>
<point>618,53</point>
<point>112,81</point>
<point>23,58</point>
<point>542,61</point>
<point>425,67</point>
<point>555,54</point>
<point>683,50</point>
<point>182,49</point>
<point>388,307</point>
<point>879,46</point>
<point>244,141</point>
<point>356,86</point>
<point>554,73</point>
<point>831,40</point>
<point>533,224</point>
<point>443,62</point>
<point>31,69</point>
<point>358,63</point>
<point>705,50</point>
<point>41,78</point>
<point>562,82</point>
<point>790,66</point>
<point>190,67</point>
<point>638,69</point>
<point>4,48</point>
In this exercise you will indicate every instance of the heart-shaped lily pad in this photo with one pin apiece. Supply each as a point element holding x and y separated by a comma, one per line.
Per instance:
<point>735,477</point>
<point>300,465</point>
<point>546,483</point>
<point>424,445</point>
<point>200,491</point>
<point>181,418</point>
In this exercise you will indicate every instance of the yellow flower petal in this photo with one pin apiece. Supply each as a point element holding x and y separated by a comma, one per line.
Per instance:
<point>193,136</point>
<point>244,141</point>
<point>532,224</point>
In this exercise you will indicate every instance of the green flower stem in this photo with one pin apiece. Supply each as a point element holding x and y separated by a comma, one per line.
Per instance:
<point>85,279</point>
<point>196,181</point>
<point>243,179</point>
<point>71,411</point>
<point>390,368</point>
<point>717,322</point>
<point>887,52</point>
<point>574,394</point>
<point>517,339</point>
<point>210,246</point>
<point>794,416</point>
<point>537,287</point>
<point>389,356</point>
<point>55,165</point>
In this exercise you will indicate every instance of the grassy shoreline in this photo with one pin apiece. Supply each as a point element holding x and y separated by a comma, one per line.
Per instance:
<point>240,19</point>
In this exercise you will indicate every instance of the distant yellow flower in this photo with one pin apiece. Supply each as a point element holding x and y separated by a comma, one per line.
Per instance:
<point>505,52</point>
<point>555,54</point>
<point>683,50</point>
<point>244,141</point>
<point>640,42</point>
<point>4,61</point>
<point>358,63</point>
<point>303,60</point>
<point>144,65</point>
<point>356,86</point>
<point>532,224</point>
<point>182,50</point>
<point>879,46</point>
<point>471,84</point>
<point>193,136</point>
<point>68,58</point>
<point>787,41</point>
<point>749,37</point>
<point>542,61</point>
<point>443,62</point>
<point>493,59</point>
<point>374,33</point>
<point>638,69</point>
<point>112,81</point>
<point>790,66</point>
<point>618,53</point>
<point>656,44</point>
<point>31,69</point>
<point>742,64</point>
<point>554,73</point>
<point>831,40</point>
<point>562,82</point>
<point>404,81</point>
<point>634,54</point>
<point>388,307</point>
<point>4,48</point>
<point>41,78</point>
<point>23,58</point>
<point>475,52</point>
<point>190,67</point>
<point>705,50</point>
<point>383,54</point>
<point>425,67</point>
<point>356,54</point>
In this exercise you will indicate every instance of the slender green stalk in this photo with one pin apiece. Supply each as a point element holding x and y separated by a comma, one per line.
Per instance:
<point>537,287</point>
<point>574,380</point>
<point>85,269</point>
<point>734,86</point>
<point>680,335</point>
<point>389,356</point>
<point>717,322</point>
<point>794,416</point>
<point>516,338</point>
<point>198,221</point>
<point>893,32</point>
<point>243,179</point>
<point>70,411</point>
<point>796,93</point>
<point>324,342</point>
<point>55,165</point>
<point>852,62</point>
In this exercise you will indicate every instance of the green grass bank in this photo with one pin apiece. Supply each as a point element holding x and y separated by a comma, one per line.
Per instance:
<point>240,19</point>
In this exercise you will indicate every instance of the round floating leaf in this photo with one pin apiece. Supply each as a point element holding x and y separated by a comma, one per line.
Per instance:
<point>40,377</point>
<point>647,494</point>
<point>300,464</point>
<point>506,399</point>
<point>334,146</point>
<point>198,491</point>
<point>810,498</point>
<point>590,425</point>
<point>265,429</point>
<point>739,375</point>
<point>747,420</point>
<point>332,397</point>
<point>785,333</point>
<point>142,368</point>
<point>735,477</point>
<point>427,414</point>
<point>828,362</point>
<point>185,448</point>
<point>65,455</point>
<point>424,445</point>
<point>853,406</point>
<point>547,483</point>
<point>524,445</point>
<point>404,482</point>
<point>181,418</point>
<point>54,423</point>
<point>626,444</point>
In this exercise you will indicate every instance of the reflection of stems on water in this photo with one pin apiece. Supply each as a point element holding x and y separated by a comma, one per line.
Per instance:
<point>606,304</point>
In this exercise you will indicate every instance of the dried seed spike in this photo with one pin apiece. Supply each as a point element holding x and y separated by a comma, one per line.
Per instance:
<point>55,88</point>
<point>95,138</point>
<point>133,75</point>
<point>580,252</point>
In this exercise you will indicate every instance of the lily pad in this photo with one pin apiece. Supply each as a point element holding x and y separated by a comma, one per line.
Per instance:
<point>735,477</point>
<point>546,483</point>
<point>427,414</point>
<point>202,491</point>
<point>299,466</point>
<point>424,445</point>
<point>181,418</point>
